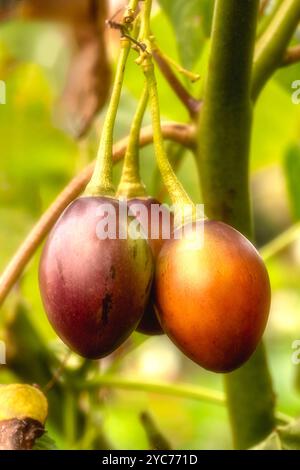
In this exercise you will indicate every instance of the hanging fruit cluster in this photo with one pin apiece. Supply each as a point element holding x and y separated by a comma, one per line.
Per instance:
<point>212,298</point>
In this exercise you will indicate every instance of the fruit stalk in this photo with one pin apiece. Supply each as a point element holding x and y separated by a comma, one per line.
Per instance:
<point>192,104</point>
<point>173,185</point>
<point>271,46</point>
<point>177,132</point>
<point>131,185</point>
<point>101,182</point>
<point>141,205</point>
<point>224,140</point>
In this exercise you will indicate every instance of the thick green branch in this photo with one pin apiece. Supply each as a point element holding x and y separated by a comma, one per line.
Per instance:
<point>224,140</point>
<point>271,47</point>
<point>226,116</point>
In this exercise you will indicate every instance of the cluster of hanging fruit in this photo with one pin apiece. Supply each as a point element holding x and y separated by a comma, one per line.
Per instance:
<point>211,298</point>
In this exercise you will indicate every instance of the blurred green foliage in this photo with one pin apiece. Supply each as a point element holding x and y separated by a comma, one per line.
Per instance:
<point>38,159</point>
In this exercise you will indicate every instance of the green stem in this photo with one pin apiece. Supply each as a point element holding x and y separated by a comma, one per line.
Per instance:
<point>131,184</point>
<point>182,391</point>
<point>145,31</point>
<point>187,391</point>
<point>264,23</point>
<point>272,45</point>
<point>174,187</point>
<point>193,77</point>
<point>192,104</point>
<point>224,141</point>
<point>101,182</point>
<point>279,243</point>
<point>70,409</point>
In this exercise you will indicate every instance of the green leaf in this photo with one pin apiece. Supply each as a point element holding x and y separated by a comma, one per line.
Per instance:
<point>192,25</point>
<point>292,173</point>
<point>276,126</point>
<point>45,442</point>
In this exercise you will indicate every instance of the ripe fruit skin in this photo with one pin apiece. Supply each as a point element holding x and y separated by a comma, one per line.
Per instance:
<point>20,401</point>
<point>94,290</point>
<point>23,412</point>
<point>149,324</point>
<point>213,300</point>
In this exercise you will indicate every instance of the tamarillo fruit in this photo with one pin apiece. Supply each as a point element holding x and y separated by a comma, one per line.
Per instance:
<point>23,412</point>
<point>213,298</point>
<point>156,220</point>
<point>94,290</point>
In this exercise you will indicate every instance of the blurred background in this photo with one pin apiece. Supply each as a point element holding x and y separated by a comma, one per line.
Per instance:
<point>52,54</point>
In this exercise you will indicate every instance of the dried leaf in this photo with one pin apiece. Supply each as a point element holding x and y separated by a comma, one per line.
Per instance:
<point>8,9</point>
<point>87,84</point>
<point>67,11</point>
<point>88,79</point>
